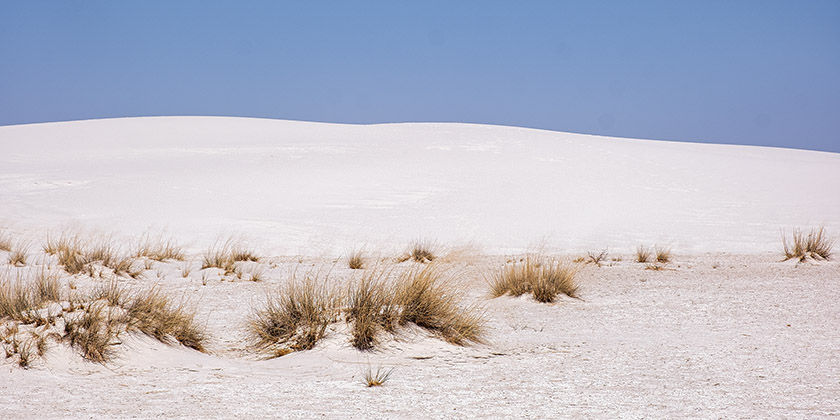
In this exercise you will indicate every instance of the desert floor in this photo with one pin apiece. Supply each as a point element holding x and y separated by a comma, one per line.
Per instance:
<point>710,336</point>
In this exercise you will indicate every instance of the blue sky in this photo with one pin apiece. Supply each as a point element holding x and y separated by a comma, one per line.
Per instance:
<point>745,72</point>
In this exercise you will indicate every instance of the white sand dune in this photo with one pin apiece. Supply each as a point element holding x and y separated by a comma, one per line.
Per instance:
<point>304,187</point>
<point>713,335</point>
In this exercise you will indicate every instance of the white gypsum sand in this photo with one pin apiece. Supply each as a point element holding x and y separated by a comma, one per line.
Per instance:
<point>726,329</point>
<point>303,187</point>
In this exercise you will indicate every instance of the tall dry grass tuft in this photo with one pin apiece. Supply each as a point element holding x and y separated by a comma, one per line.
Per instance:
<point>225,255</point>
<point>643,254</point>
<point>18,254</point>
<point>46,287</point>
<point>370,308</point>
<point>153,313</point>
<point>74,262</point>
<point>158,249</point>
<point>663,254</point>
<point>92,322</point>
<point>79,255</point>
<point>93,331</point>
<point>543,278</point>
<point>22,297</point>
<point>816,244</point>
<point>295,317</point>
<point>111,292</point>
<point>15,299</point>
<point>426,300</point>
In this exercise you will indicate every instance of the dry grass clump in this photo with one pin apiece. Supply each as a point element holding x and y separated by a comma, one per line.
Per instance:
<point>370,308</point>
<point>426,300</point>
<point>420,251</point>
<point>816,245</point>
<point>5,240</point>
<point>659,254</point>
<point>79,255</point>
<point>418,296</point>
<point>643,254</point>
<point>93,331</point>
<point>544,279</point>
<point>111,292</point>
<point>153,313</point>
<point>295,317</point>
<point>239,252</point>
<point>91,323</point>
<point>22,297</point>
<point>654,266</point>
<point>18,254</point>
<point>226,255</point>
<point>356,260</point>
<point>159,249</point>
<point>376,377</point>
<point>112,310</point>
<point>663,254</point>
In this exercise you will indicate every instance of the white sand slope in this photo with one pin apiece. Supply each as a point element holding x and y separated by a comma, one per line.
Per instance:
<point>300,187</point>
<point>711,335</point>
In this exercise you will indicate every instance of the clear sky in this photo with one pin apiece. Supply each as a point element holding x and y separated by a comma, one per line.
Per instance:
<point>745,72</point>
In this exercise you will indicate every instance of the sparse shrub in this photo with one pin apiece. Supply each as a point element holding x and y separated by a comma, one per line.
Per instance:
<point>295,317</point>
<point>643,254</point>
<point>544,279</point>
<point>816,245</point>
<point>376,377</point>
<point>597,258</point>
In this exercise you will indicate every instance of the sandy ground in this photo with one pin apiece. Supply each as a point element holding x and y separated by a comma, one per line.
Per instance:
<point>712,336</point>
